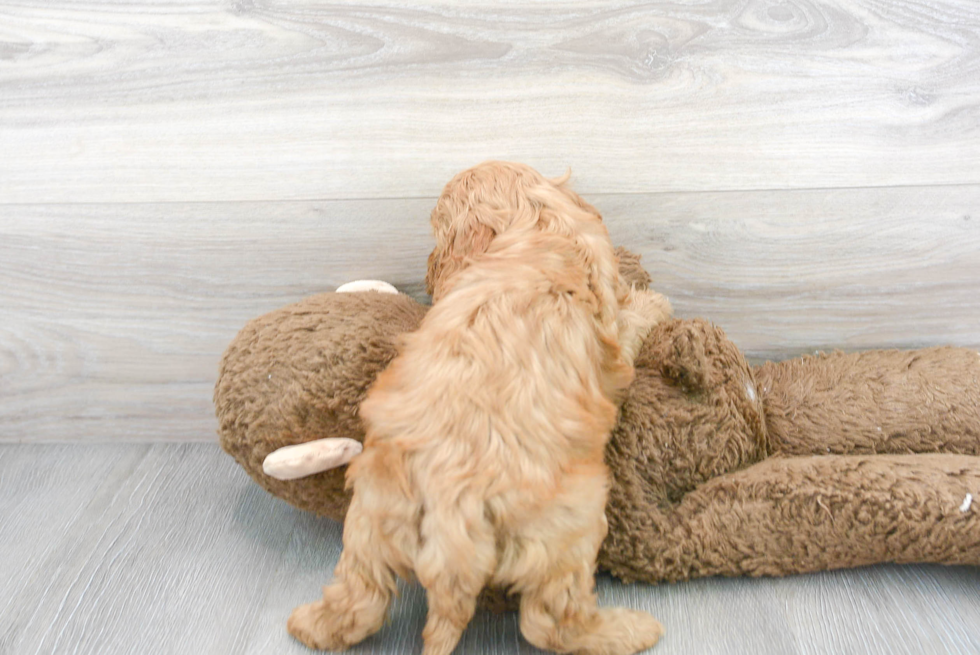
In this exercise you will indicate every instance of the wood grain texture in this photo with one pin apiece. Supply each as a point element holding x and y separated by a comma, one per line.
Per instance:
<point>171,549</point>
<point>790,272</point>
<point>115,316</point>
<point>267,100</point>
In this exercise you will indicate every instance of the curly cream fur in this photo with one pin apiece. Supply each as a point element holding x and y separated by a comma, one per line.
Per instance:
<point>483,460</point>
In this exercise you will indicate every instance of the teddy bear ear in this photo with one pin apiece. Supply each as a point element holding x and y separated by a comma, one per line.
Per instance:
<point>303,459</point>
<point>683,359</point>
<point>366,285</point>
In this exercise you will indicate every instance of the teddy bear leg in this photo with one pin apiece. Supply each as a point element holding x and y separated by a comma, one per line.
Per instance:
<point>874,402</point>
<point>801,514</point>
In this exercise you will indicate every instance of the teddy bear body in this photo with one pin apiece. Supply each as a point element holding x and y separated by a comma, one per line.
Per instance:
<point>717,468</point>
<point>820,462</point>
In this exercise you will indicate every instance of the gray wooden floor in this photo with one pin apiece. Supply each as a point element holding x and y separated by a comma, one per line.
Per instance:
<point>170,548</point>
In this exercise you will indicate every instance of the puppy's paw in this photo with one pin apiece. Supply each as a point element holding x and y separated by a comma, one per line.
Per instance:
<point>313,625</point>
<point>650,306</point>
<point>643,631</point>
<point>624,632</point>
<point>642,310</point>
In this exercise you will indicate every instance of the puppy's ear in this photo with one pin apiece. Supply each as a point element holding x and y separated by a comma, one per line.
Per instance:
<point>432,270</point>
<point>469,239</point>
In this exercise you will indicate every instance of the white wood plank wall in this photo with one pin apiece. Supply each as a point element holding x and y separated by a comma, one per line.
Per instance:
<point>806,173</point>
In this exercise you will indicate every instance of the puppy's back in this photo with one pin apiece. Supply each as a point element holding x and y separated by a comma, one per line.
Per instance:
<point>503,384</point>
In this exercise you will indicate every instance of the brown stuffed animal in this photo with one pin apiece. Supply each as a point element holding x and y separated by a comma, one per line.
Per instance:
<point>716,467</point>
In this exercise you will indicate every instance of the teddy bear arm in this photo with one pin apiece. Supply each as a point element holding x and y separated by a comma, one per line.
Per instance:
<point>631,270</point>
<point>802,514</point>
<point>890,401</point>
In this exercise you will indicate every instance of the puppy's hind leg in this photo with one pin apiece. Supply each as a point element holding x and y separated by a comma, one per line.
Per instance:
<point>562,616</point>
<point>456,559</point>
<point>558,604</point>
<point>354,606</point>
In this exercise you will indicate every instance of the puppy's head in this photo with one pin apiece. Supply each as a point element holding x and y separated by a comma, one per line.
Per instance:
<point>489,199</point>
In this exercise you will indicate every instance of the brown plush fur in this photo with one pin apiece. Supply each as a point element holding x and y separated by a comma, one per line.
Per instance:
<point>716,467</point>
<point>288,378</point>
<point>300,373</point>
<point>483,457</point>
<point>781,469</point>
<point>698,487</point>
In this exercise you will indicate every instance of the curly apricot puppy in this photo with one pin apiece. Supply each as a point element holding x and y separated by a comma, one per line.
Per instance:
<point>483,460</point>
<point>494,197</point>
